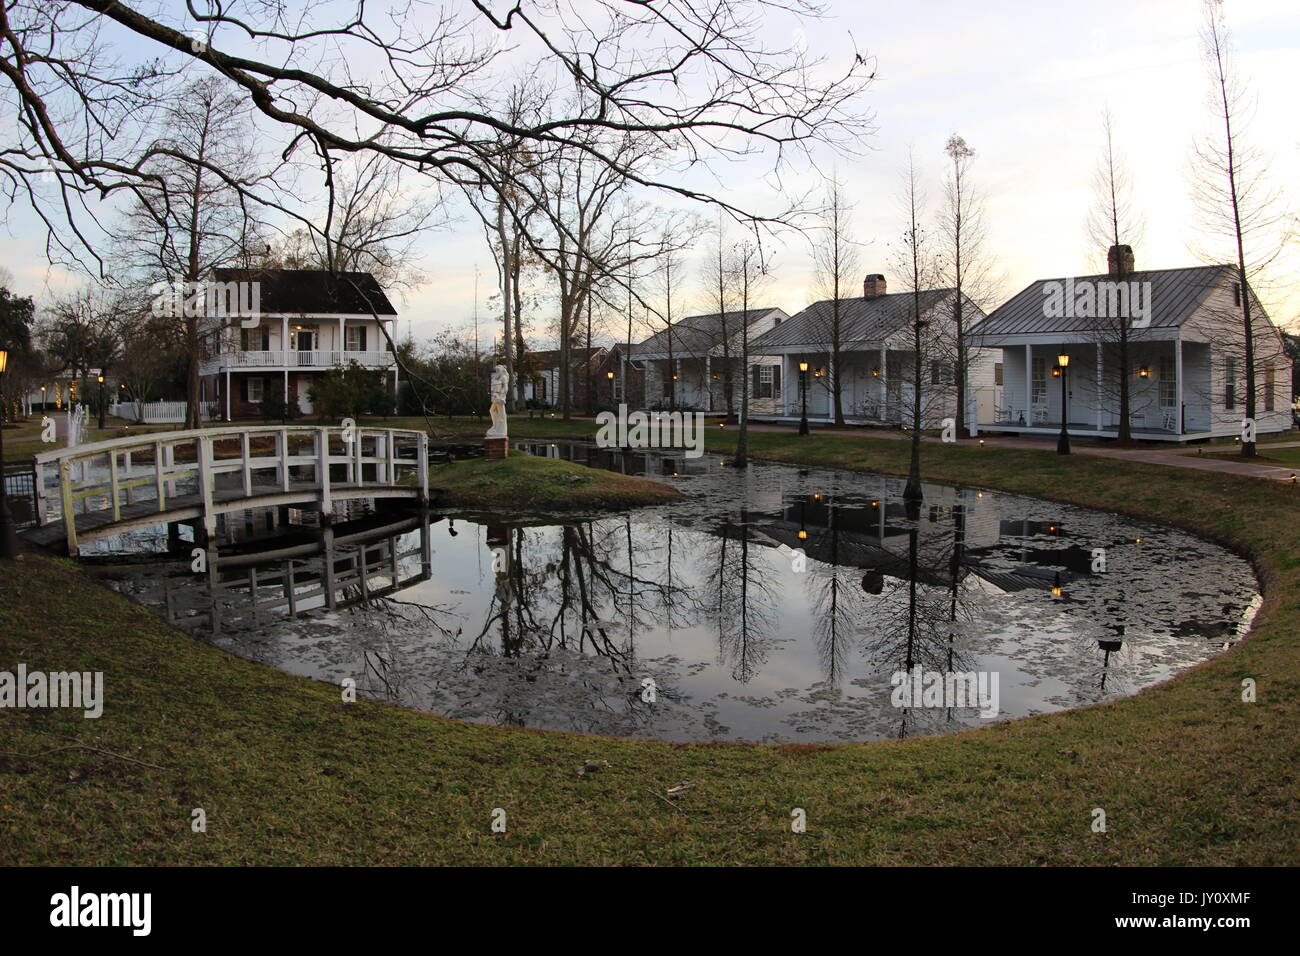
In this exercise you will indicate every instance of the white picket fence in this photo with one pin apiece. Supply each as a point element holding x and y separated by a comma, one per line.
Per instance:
<point>159,413</point>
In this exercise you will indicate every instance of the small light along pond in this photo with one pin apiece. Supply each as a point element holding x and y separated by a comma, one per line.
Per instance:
<point>771,604</point>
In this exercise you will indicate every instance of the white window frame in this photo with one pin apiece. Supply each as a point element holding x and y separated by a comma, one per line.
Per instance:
<point>256,380</point>
<point>1167,385</point>
<point>349,344</point>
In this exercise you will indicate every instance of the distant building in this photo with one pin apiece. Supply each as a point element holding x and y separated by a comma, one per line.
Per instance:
<point>311,322</point>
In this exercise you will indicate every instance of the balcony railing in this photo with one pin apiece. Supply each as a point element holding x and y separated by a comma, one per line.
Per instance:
<point>292,358</point>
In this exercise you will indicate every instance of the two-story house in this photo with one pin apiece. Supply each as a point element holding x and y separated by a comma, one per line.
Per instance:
<point>308,322</point>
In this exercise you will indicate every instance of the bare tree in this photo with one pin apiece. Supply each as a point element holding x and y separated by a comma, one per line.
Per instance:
<point>191,217</point>
<point>961,227</point>
<point>718,280</point>
<point>918,264</point>
<point>1233,195</point>
<point>836,261</point>
<point>748,269</point>
<point>1113,223</point>
<point>692,75</point>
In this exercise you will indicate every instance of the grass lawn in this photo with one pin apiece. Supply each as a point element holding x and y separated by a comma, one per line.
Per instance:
<point>288,774</point>
<point>539,484</point>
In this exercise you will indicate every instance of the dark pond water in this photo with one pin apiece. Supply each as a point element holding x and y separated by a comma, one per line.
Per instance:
<point>771,604</point>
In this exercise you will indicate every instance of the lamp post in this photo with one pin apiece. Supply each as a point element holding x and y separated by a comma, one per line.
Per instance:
<point>1063,443</point>
<point>8,534</point>
<point>803,398</point>
<point>101,400</point>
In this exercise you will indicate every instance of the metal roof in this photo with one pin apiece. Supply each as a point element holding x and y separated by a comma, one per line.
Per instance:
<point>863,321</point>
<point>699,334</point>
<point>1175,296</point>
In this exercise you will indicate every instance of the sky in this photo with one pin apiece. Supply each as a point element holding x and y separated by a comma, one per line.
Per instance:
<point>1024,83</point>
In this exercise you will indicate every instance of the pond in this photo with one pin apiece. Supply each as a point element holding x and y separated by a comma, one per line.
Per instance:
<point>771,604</point>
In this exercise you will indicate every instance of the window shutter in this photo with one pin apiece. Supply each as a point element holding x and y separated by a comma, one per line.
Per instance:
<point>266,339</point>
<point>754,378</point>
<point>243,389</point>
<point>776,380</point>
<point>362,339</point>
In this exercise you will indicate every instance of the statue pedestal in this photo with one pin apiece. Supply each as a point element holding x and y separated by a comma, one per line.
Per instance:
<point>496,448</point>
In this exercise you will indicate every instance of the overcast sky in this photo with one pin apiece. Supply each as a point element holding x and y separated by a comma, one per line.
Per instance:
<point>1024,83</point>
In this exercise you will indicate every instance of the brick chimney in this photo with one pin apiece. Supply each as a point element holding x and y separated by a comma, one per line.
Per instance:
<point>1119,261</point>
<point>873,286</point>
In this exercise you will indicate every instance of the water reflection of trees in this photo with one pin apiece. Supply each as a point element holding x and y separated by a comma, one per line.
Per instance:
<point>740,596</point>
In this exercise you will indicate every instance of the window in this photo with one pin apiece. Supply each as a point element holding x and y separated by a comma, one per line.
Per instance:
<point>354,337</point>
<point>997,373</point>
<point>1230,386</point>
<point>1236,293</point>
<point>254,390</point>
<point>1270,383</point>
<point>943,373</point>
<point>255,340</point>
<point>1168,385</point>
<point>1039,394</point>
<point>766,381</point>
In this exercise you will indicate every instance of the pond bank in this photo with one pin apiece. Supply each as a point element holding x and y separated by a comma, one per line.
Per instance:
<point>1186,771</point>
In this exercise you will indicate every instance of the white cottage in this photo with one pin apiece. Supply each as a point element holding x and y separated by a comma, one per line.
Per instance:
<point>688,361</point>
<point>877,358</point>
<point>1184,358</point>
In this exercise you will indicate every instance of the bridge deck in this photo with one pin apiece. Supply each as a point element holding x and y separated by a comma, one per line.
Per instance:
<point>94,525</point>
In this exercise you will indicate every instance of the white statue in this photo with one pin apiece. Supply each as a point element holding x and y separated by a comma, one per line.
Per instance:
<point>500,384</point>
<point>76,425</point>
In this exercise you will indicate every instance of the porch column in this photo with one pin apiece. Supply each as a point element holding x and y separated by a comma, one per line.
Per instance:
<point>1029,384</point>
<point>832,384</point>
<point>884,387</point>
<point>227,394</point>
<point>340,344</point>
<point>785,385</point>
<point>1101,402</point>
<point>286,386</point>
<point>284,340</point>
<point>1178,378</point>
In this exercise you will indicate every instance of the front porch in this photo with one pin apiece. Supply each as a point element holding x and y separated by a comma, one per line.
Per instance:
<point>1168,390</point>
<point>875,389</point>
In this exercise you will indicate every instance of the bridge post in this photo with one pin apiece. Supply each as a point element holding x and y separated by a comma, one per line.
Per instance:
<point>158,475</point>
<point>247,472</point>
<point>391,475</point>
<point>69,518</point>
<point>328,554</point>
<point>323,471</point>
<point>205,485</point>
<point>38,476</point>
<point>357,445</point>
<point>423,466</point>
<point>282,451</point>
<point>113,484</point>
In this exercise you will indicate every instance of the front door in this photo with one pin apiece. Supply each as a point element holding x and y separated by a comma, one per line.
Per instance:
<point>305,343</point>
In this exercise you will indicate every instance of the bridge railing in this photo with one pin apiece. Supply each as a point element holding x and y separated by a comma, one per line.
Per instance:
<point>110,475</point>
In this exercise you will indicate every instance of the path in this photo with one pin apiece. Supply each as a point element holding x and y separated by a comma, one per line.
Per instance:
<point>1151,456</point>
